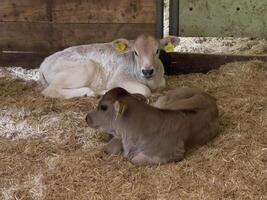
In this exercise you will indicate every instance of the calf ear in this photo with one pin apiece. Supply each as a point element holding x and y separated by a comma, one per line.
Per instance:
<point>169,43</point>
<point>140,97</point>
<point>119,109</point>
<point>122,45</point>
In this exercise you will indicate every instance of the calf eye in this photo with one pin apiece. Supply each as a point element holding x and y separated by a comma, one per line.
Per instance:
<point>135,53</point>
<point>157,51</point>
<point>103,107</point>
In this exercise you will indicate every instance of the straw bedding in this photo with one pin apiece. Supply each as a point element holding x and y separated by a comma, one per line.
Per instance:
<point>48,152</point>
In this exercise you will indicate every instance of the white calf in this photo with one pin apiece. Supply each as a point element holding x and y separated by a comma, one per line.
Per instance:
<point>89,70</point>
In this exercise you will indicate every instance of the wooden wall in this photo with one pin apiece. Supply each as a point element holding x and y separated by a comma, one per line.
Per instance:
<point>51,25</point>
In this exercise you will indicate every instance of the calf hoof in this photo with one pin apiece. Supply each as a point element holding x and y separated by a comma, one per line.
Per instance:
<point>106,137</point>
<point>146,92</point>
<point>50,93</point>
<point>114,147</point>
<point>160,102</point>
<point>141,159</point>
<point>112,150</point>
<point>88,92</point>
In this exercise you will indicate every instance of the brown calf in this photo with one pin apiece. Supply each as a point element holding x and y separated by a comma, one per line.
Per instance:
<point>149,135</point>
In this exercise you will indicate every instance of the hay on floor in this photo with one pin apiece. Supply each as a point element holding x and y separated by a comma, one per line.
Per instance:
<point>48,152</point>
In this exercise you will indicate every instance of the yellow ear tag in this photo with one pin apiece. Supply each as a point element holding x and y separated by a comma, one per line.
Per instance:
<point>120,47</point>
<point>120,111</point>
<point>169,47</point>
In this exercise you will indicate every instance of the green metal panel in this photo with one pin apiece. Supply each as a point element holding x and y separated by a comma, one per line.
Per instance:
<point>239,18</point>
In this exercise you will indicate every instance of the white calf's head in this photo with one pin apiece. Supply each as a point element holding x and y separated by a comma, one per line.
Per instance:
<point>146,51</point>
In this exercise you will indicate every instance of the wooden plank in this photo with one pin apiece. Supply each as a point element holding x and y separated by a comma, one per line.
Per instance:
<point>174,17</point>
<point>52,37</point>
<point>184,63</point>
<point>159,19</point>
<point>23,36</point>
<point>103,11</point>
<point>20,59</point>
<point>174,63</point>
<point>74,34</point>
<point>23,10</point>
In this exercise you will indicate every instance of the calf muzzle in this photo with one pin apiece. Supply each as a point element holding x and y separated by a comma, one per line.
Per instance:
<point>148,73</point>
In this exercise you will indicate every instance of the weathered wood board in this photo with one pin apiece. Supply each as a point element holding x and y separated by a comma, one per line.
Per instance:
<point>103,11</point>
<point>23,10</point>
<point>43,37</point>
<point>47,25</point>
<point>174,63</point>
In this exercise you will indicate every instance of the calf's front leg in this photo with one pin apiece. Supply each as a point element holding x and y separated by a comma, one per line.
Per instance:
<point>114,147</point>
<point>73,81</point>
<point>136,87</point>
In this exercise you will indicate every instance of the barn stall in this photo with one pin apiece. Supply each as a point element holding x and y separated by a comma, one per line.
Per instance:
<point>48,152</point>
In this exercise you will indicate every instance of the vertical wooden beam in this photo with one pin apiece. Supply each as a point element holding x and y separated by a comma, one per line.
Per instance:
<point>174,17</point>
<point>49,7</point>
<point>159,20</point>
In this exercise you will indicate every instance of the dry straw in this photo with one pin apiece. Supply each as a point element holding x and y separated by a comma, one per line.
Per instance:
<point>48,152</point>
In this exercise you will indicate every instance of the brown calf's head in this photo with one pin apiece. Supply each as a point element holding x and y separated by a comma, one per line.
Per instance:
<point>146,49</point>
<point>110,108</point>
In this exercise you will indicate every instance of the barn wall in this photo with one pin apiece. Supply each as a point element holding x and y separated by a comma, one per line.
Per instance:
<point>50,25</point>
<point>219,18</point>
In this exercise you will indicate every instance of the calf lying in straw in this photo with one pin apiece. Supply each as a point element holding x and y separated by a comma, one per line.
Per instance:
<point>92,69</point>
<point>155,135</point>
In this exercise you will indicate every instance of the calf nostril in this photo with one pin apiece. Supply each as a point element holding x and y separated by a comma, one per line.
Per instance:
<point>147,72</point>
<point>150,72</point>
<point>144,71</point>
